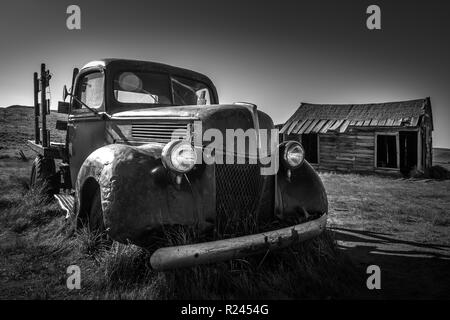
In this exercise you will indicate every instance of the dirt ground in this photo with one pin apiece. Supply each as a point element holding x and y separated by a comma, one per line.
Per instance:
<point>401,225</point>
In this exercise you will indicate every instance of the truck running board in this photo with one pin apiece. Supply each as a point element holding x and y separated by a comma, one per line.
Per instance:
<point>66,202</point>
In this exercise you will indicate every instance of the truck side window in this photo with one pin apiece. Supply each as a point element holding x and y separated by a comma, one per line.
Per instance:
<point>90,90</point>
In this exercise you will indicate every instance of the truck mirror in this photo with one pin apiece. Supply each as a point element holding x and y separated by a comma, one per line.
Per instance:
<point>63,107</point>
<point>65,93</point>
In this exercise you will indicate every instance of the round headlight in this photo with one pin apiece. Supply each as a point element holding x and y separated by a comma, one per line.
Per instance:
<point>179,156</point>
<point>293,154</point>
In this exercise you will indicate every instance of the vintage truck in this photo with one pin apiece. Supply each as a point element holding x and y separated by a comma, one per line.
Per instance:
<point>123,172</point>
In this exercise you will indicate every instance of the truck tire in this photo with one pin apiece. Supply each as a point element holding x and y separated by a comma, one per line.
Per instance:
<point>43,175</point>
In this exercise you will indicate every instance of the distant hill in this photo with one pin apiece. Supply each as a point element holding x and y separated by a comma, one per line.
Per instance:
<point>17,106</point>
<point>441,156</point>
<point>17,126</point>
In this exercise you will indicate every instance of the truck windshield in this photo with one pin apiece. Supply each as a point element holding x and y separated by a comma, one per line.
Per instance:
<point>160,89</point>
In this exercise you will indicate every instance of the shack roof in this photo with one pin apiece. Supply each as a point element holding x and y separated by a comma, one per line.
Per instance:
<point>320,118</point>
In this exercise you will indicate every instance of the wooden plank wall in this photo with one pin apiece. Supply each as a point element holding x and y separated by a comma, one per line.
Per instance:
<point>350,151</point>
<point>427,145</point>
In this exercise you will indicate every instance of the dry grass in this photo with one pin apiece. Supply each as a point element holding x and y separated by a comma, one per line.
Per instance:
<point>38,246</point>
<point>17,126</point>
<point>411,209</point>
<point>311,270</point>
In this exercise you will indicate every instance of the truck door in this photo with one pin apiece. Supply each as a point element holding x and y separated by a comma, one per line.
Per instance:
<point>86,129</point>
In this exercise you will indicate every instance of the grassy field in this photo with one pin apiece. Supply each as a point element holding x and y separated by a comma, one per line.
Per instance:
<point>441,157</point>
<point>401,225</point>
<point>17,126</point>
<point>407,219</point>
<point>416,210</point>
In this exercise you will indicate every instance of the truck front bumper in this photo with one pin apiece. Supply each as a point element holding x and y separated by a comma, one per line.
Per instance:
<point>227,249</point>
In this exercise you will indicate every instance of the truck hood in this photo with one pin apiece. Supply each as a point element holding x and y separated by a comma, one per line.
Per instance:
<point>219,117</point>
<point>212,116</point>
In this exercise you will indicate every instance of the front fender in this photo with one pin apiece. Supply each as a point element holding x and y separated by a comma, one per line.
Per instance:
<point>136,194</point>
<point>301,194</point>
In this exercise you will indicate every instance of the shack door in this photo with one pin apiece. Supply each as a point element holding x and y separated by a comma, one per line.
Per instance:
<point>408,151</point>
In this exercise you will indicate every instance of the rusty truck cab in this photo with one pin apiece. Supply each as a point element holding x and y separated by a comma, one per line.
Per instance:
<point>96,85</point>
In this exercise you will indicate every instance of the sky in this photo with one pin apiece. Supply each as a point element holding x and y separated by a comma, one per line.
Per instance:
<point>275,54</point>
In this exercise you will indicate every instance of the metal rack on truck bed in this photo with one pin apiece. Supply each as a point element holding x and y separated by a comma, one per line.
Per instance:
<point>44,172</point>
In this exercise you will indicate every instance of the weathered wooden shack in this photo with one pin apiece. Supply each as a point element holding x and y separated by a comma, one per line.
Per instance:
<point>393,137</point>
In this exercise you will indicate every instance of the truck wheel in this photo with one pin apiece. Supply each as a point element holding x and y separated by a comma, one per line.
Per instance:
<point>43,174</point>
<point>95,215</point>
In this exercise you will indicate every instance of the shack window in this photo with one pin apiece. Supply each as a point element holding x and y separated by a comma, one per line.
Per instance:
<point>311,146</point>
<point>387,147</point>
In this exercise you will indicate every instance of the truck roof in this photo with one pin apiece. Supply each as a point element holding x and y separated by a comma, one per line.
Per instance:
<point>112,66</point>
<point>138,65</point>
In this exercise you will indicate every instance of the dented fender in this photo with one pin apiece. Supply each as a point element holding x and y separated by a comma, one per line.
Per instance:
<point>300,193</point>
<point>136,193</point>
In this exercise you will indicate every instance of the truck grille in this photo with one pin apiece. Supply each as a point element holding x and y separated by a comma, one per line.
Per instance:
<point>159,131</point>
<point>238,190</point>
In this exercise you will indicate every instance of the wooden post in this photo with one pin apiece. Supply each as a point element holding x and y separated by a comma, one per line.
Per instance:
<point>397,142</point>
<point>44,84</point>
<point>36,108</point>
<point>419,150</point>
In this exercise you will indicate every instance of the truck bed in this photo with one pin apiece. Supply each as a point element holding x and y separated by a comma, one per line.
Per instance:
<point>56,150</point>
